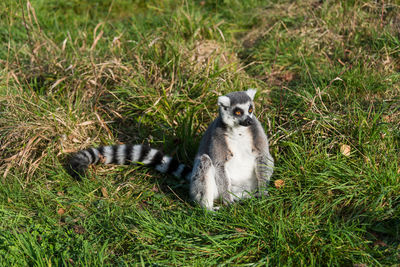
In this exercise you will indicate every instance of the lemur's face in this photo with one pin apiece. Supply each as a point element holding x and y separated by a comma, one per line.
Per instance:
<point>237,108</point>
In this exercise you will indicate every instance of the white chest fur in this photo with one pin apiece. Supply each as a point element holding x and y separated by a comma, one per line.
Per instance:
<point>240,168</point>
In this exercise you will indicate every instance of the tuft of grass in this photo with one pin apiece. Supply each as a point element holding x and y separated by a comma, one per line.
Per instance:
<point>75,75</point>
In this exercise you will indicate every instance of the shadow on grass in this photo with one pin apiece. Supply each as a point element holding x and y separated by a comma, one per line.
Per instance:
<point>138,128</point>
<point>383,229</point>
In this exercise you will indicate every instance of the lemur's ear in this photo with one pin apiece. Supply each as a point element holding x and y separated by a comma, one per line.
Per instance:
<point>251,93</point>
<point>224,101</point>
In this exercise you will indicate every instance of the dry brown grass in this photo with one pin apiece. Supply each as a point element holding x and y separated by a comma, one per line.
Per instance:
<point>57,93</point>
<point>48,93</point>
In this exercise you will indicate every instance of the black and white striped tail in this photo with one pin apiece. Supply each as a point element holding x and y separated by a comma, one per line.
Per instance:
<point>127,154</point>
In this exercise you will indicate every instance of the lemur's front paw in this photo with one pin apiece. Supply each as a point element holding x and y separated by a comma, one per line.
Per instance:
<point>215,209</point>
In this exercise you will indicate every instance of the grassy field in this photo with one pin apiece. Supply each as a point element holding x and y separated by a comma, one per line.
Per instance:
<point>75,74</point>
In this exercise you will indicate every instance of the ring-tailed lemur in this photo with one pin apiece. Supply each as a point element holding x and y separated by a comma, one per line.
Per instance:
<point>232,162</point>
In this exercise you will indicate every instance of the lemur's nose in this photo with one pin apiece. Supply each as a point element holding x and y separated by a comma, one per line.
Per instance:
<point>248,121</point>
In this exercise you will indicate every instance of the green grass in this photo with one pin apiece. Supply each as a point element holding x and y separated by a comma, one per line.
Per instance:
<point>76,74</point>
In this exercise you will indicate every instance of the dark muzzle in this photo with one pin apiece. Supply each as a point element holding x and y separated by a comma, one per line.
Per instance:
<point>247,122</point>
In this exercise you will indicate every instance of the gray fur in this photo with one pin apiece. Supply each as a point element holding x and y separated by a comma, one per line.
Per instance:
<point>214,153</point>
<point>238,98</point>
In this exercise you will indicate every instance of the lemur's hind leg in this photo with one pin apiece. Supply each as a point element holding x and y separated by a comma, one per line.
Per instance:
<point>203,188</point>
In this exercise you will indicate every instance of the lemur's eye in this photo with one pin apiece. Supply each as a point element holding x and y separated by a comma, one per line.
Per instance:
<point>250,109</point>
<point>238,112</point>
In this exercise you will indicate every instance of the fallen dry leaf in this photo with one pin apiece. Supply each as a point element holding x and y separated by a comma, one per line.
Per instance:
<point>104,192</point>
<point>387,118</point>
<point>279,183</point>
<point>61,211</point>
<point>345,150</point>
